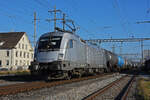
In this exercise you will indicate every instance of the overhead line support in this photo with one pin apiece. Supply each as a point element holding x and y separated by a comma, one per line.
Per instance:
<point>34,36</point>
<point>55,15</point>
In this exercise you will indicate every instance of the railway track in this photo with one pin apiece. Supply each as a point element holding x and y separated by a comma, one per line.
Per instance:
<point>28,86</point>
<point>117,90</point>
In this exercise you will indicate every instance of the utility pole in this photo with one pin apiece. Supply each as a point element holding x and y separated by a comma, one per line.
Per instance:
<point>142,22</point>
<point>142,51</point>
<point>55,19</point>
<point>121,48</point>
<point>64,20</point>
<point>113,48</point>
<point>34,36</point>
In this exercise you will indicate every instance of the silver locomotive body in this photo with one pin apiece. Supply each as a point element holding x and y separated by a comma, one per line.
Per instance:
<point>64,52</point>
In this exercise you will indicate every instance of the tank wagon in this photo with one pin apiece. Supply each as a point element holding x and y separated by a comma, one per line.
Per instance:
<point>63,54</point>
<point>147,65</point>
<point>124,63</point>
<point>112,61</point>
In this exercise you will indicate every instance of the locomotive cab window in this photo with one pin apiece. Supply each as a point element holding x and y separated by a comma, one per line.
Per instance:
<point>70,44</point>
<point>50,43</point>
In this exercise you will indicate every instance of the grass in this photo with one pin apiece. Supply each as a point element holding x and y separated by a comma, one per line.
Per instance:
<point>144,88</point>
<point>15,72</point>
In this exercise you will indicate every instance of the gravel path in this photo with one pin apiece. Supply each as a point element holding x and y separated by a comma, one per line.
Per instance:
<point>74,91</point>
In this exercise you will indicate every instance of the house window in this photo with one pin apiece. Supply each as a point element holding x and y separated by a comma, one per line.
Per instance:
<point>26,46</point>
<point>31,56</point>
<point>16,53</point>
<point>28,55</point>
<point>24,54</point>
<point>22,46</point>
<point>20,53</point>
<point>7,53</point>
<point>24,62</point>
<point>0,63</point>
<point>16,62</point>
<point>27,62</point>
<point>7,62</point>
<point>19,45</point>
<point>20,62</point>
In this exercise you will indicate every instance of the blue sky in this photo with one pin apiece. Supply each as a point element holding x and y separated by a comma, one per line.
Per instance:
<point>96,18</point>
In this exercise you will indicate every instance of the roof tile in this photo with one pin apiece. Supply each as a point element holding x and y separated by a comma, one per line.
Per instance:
<point>10,39</point>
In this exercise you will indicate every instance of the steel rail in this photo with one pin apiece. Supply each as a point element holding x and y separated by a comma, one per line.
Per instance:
<point>101,91</point>
<point>24,87</point>
<point>124,97</point>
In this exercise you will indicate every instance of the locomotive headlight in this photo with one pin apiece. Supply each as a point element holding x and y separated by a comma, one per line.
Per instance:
<point>60,56</point>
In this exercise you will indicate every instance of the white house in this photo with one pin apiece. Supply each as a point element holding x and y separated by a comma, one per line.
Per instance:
<point>15,50</point>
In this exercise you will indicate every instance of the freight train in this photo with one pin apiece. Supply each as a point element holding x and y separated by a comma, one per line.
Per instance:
<point>64,54</point>
<point>146,66</point>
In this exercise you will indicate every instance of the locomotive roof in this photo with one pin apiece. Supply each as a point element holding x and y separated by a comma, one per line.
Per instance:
<point>52,33</point>
<point>59,33</point>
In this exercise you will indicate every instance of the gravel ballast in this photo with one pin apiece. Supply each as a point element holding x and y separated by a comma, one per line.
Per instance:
<point>73,91</point>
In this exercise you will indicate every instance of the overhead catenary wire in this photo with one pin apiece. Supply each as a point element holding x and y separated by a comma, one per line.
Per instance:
<point>119,12</point>
<point>91,34</point>
<point>75,8</point>
<point>13,16</point>
<point>123,21</point>
<point>42,4</point>
<point>46,2</point>
<point>19,13</point>
<point>148,8</point>
<point>30,9</point>
<point>21,9</point>
<point>17,18</point>
<point>34,6</point>
<point>10,18</point>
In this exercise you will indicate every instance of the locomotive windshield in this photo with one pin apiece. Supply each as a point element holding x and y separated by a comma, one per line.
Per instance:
<point>49,43</point>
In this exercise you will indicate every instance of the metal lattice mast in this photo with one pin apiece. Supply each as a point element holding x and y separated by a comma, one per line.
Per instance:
<point>55,16</point>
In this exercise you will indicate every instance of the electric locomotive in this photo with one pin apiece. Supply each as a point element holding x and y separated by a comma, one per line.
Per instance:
<point>62,54</point>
